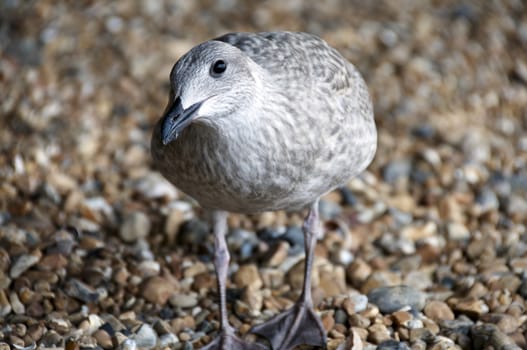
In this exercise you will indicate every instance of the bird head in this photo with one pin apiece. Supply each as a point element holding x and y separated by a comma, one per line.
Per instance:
<point>208,83</point>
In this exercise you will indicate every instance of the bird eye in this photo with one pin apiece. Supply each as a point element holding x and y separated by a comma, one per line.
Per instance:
<point>218,68</point>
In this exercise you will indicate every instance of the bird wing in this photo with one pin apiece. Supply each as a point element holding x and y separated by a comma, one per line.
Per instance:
<point>295,57</point>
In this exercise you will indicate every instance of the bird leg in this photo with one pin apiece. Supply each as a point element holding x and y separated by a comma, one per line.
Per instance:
<point>298,325</point>
<point>226,340</point>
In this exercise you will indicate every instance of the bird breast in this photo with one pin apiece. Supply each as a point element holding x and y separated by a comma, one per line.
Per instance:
<point>268,159</point>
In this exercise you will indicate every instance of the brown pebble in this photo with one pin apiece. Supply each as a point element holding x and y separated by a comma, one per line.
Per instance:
<point>278,254</point>
<point>378,333</point>
<point>472,308</point>
<point>204,281</point>
<point>506,323</point>
<point>35,332</point>
<point>178,324</point>
<point>248,276</point>
<point>358,271</point>
<point>158,289</point>
<point>401,317</point>
<point>328,321</point>
<point>183,336</point>
<point>438,311</point>
<point>356,320</point>
<point>103,339</point>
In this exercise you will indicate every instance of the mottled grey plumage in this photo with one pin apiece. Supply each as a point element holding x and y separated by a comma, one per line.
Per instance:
<point>286,122</point>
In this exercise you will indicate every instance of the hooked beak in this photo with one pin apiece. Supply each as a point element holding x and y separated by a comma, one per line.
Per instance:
<point>176,119</point>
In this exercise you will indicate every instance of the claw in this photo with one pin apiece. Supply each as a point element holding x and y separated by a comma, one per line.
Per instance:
<point>296,326</point>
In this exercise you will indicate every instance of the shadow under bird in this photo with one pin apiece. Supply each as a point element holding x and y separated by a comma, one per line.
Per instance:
<point>260,122</point>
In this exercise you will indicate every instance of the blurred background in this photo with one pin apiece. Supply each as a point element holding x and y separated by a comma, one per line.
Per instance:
<point>88,227</point>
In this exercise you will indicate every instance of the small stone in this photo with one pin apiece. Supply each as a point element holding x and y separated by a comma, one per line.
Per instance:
<point>422,334</point>
<point>158,290</point>
<point>5,306</point>
<point>438,310</point>
<point>181,323</point>
<point>248,276</point>
<point>457,232</point>
<point>184,300</point>
<point>103,339</point>
<point>358,271</point>
<point>328,320</point>
<point>149,268</point>
<point>506,323</point>
<point>278,254</point>
<point>135,226</point>
<point>94,323</point>
<point>145,337</point>
<point>23,263</point>
<point>193,233</point>
<point>154,185</point>
<point>80,290</point>
<point>274,278</point>
<point>355,303</point>
<point>253,298</point>
<point>332,280</point>
<point>401,318</point>
<point>471,308</point>
<point>392,345</point>
<point>397,169</point>
<point>378,333</point>
<point>35,332</point>
<point>57,323</point>
<point>359,321</point>
<point>128,344</point>
<point>118,339</point>
<point>51,338</point>
<point>195,269</point>
<point>390,299</point>
<point>167,340</point>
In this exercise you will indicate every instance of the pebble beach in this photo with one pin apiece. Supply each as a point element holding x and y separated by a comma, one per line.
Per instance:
<point>425,250</point>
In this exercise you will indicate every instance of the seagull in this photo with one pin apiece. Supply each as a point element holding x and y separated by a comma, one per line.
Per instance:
<point>262,122</point>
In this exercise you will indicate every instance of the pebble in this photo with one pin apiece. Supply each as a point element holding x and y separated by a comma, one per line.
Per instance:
<point>392,345</point>
<point>104,340</point>
<point>135,226</point>
<point>168,340</point>
<point>79,290</point>
<point>248,276</point>
<point>23,263</point>
<point>154,185</point>
<point>390,299</point>
<point>184,300</point>
<point>5,306</point>
<point>145,337</point>
<point>157,289</point>
<point>471,308</point>
<point>442,209</point>
<point>438,310</point>
<point>378,333</point>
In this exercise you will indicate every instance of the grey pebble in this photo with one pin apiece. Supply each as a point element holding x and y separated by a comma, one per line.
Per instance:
<point>391,299</point>
<point>167,340</point>
<point>128,344</point>
<point>79,290</point>
<point>340,316</point>
<point>22,264</point>
<point>145,337</point>
<point>360,301</point>
<point>194,233</point>
<point>396,169</point>
<point>329,210</point>
<point>136,225</point>
<point>393,345</point>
